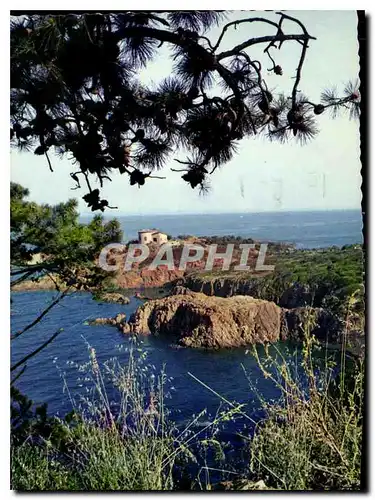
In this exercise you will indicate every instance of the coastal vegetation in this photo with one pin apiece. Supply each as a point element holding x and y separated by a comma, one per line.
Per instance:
<point>325,277</point>
<point>135,445</point>
<point>54,235</point>
<point>50,247</point>
<point>312,438</point>
<point>309,439</point>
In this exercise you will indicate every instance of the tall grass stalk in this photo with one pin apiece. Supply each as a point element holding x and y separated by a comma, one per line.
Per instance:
<point>118,438</point>
<point>312,437</point>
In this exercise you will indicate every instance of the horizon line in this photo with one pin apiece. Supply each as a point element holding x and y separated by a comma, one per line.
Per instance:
<point>137,214</point>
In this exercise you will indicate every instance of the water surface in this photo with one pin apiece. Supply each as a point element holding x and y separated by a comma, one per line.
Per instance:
<point>315,229</point>
<point>221,370</point>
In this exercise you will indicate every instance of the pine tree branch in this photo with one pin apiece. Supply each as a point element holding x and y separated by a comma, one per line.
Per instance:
<point>241,21</point>
<point>303,53</point>
<point>263,39</point>
<point>18,375</point>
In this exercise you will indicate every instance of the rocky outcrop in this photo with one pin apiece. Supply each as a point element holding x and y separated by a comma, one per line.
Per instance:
<point>294,295</point>
<point>195,320</point>
<point>221,287</point>
<point>146,278</point>
<point>119,321</point>
<point>114,297</point>
<point>191,319</point>
<point>43,283</point>
<point>297,295</point>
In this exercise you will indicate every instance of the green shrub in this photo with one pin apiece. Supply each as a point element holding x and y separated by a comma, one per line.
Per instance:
<point>312,438</point>
<point>132,447</point>
<point>33,470</point>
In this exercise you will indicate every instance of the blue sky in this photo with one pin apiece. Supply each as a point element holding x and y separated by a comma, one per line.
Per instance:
<point>322,175</point>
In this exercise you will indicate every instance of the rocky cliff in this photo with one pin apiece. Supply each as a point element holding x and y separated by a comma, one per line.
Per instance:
<point>196,320</point>
<point>192,319</point>
<point>43,283</point>
<point>146,278</point>
<point>259,286</point>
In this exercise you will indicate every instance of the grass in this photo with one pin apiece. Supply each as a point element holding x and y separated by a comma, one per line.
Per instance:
<point>312,438</point>
<point>309,445</point>
<point>34,470</point>
<point>98,460</point>
<point>102,447</point>
<point>122,442</point>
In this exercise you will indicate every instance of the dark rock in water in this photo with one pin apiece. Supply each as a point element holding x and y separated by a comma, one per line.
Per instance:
<point>114,297</point>
<point>102,321</point>
<point>119,319</point>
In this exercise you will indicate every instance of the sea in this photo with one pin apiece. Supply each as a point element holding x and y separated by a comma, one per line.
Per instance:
<point>305,229</point>
<point>54,376</point>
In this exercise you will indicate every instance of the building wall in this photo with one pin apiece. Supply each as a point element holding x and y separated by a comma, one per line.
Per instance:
<point>145,238</point>
<point>162,238</point>
<point>157,238</point>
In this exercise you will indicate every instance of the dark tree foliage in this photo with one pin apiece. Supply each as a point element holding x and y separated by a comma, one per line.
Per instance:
<point>75,90</point>
<point>67,251</point>
<point>54,232</point>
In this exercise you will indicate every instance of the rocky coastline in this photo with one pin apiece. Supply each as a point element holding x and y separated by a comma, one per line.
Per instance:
<point>192,319</point>
<point>194,308</point>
